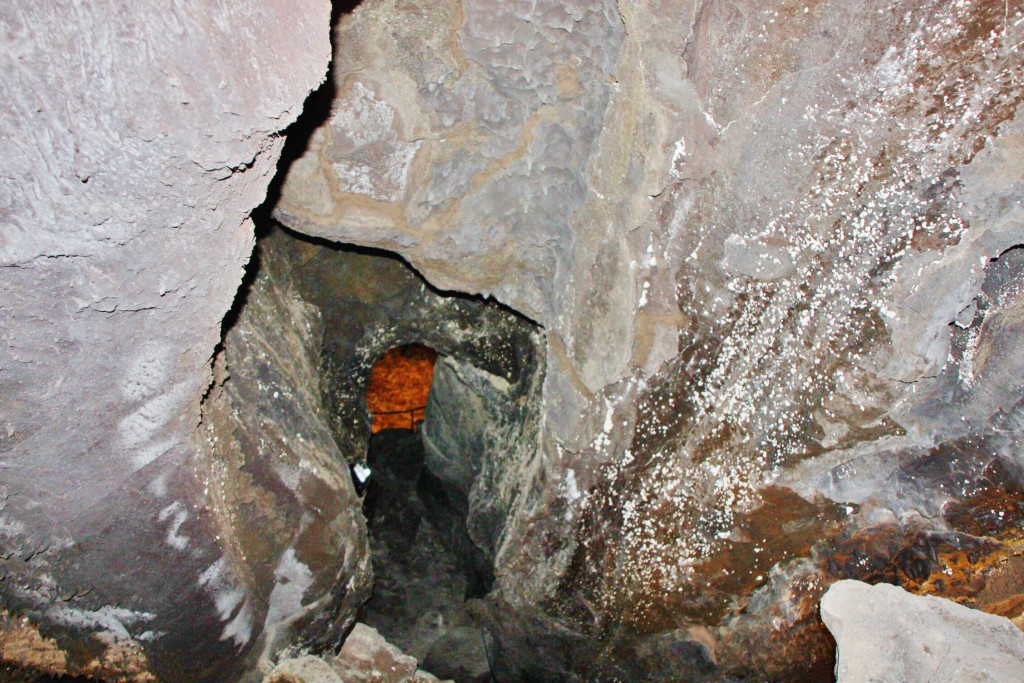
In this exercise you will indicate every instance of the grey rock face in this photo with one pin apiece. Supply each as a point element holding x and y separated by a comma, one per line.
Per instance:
<point>458,130</point>
<point>295,565</point>
<point>767,219</point>
<point>884,633</point>
<point>138,137</point>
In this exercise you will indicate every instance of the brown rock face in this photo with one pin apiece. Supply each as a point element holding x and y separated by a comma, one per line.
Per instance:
<point>138,137</point>
<point>295,565</point>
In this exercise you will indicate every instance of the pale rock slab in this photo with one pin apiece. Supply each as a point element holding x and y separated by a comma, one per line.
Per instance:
<point>885,633</point>
<point>366,657</point>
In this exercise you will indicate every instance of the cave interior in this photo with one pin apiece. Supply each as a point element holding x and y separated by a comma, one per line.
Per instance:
<point>561,341</point>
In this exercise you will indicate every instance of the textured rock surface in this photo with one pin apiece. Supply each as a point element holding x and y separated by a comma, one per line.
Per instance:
<point>305,669</point>
<point>137,139</point>
<point>366,657</point>
<point>887,634</point>
<point>295,564</point>
<point>461,132</point>
<point>759,239</point>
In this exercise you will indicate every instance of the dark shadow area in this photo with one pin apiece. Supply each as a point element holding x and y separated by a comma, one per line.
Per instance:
<point>252,270</point>
<point>10,673</point>
<point>263,229</point>
<point>315,111</point>
<point>340,8</point>
<point>425,566</point>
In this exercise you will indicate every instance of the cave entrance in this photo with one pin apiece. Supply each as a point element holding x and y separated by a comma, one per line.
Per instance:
<point>436,393</point>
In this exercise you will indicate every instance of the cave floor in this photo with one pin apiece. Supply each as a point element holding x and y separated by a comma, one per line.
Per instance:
<point>420,585</point>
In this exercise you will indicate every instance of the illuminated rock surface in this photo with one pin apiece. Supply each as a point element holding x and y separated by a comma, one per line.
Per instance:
<point>887,634</point>
<point>138,137</point>
<point>399,386</point>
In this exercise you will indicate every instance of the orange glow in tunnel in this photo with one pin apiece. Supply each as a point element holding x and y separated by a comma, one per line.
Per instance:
<point>399,385</point>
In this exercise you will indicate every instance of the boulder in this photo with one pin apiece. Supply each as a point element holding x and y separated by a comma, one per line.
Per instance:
<point>306,669</point>
<point>885,633</point>
<point>366,657</point>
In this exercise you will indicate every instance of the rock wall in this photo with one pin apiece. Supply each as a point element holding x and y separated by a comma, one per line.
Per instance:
<point>756,236</point>
<point>296,565</point>
<point>138,138</point>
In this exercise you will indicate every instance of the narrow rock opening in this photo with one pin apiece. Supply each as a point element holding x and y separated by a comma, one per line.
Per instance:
<point>399,386</point>
<point>426,568</point>
<point>425,565</point>
<point>429,399</point>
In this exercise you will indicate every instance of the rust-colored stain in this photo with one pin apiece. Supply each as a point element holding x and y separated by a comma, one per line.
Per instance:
<point>797,649</point>
<point>977,564</point>
<point>784,527</point>
<point>399,385</point>
<point>26,653</point>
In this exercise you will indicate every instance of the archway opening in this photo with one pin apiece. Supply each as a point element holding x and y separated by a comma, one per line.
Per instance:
<point>434,394</point>
<point>399,385</point>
